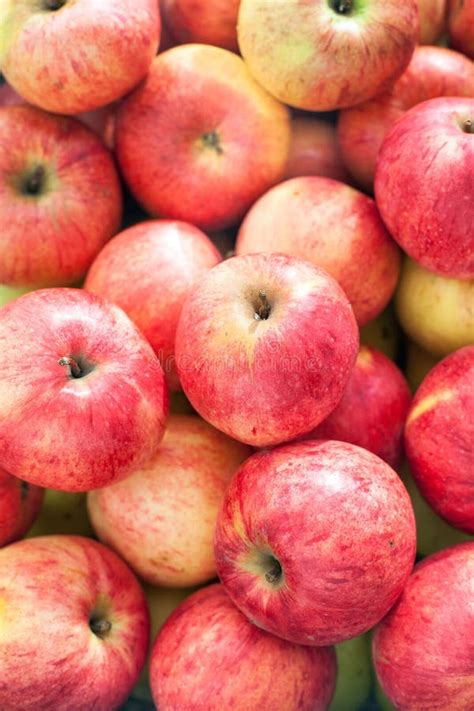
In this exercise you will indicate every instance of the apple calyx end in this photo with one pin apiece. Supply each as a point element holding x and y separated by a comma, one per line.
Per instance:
<point>262,307</point>
<point>342,7</point>
<point>34,182</point>
<point>211,140</point>
<point>100,626</point>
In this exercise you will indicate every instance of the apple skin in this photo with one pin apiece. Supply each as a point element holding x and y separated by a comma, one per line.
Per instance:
<point>425,197</point>
<point>50,237</point>
<point>203,21</point>
<point>432,72</point>
<point>149,270</point>
<point>20,504</point>
<point>161,518</point>
<point>50,657</point>
<point>432,20</point>
<point>461,26</point>
<point>424,649</point>
<point>372,410</point>
<point>383,333</point>
<point>76,433</point>
<point>311,57</point>
<point>295,555</point>
<point>207,653</point>
<point>436,312</point>
<point>80,57</point>
<point>199,140</point>
<point>265,380</point>
<point>439,437</point>
<point>62,513</point>
<point>314,150</point>
<point>354,674</point>
<point>333,226</point>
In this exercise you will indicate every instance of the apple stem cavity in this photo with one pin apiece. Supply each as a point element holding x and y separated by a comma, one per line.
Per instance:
<point>342,7</point>
<point>74,368</point>
<point>54,5</point>
<point>468,126</point>
<point>262,308</point>
<point>211,140</point>
<point>274,572</point>
<point>33,184</point>
<point>100,626</point>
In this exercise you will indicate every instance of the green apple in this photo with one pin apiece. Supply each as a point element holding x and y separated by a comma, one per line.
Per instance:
<point>354,675</point>
<point>382,333</point>
<point>62,513</point>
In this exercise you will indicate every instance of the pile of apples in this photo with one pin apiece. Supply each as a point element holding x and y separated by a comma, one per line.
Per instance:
<point>221,454</point>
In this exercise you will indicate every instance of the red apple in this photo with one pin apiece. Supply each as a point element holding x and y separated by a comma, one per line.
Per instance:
<point>425,196</point>
<point>20,504</point>
<point>82,395</point>
<point>161,519</point>
<point>424,649</point>
<point>209,656</point>
<point>327,54</point>
<point>203,21</point>
<point>75,626</point>
<point>373,408</point>
<point>333,226</point>
<point>315,540</point>
<point>265,346</point>
<point>439,438</point>
<point>60,198</point>
<point>461,25</point>
<point>432,72</point>
<point>148,270</point>
<point>199,140</point>
<point>9,97</point>
<point>432,20</point>
<point>70,56</point>
<point>314,150</point>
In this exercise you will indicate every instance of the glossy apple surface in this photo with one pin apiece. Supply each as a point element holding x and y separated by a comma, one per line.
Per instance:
<point>200,140</point>
<point>75,626</point>
<point>20,504</point>
<point>83,399</point>
<point>432,72</point>
<point>208,655</point>
<point>265,346</point>
<point>425,197</point>
<point>439,438</point>
<point>149,270</point>
<point>293,551</point>
<point>314,150</point>
<point>333,226</point>
<point>161,518</point>
<point>436,312</point>
<point>461,25</point>
<point>62,512</point>
<point>327,54</point>
<point>424,649</point>
<point>60,198</point>
<point>203,21</point>
<point>372,410</point>
<point>67,56</point>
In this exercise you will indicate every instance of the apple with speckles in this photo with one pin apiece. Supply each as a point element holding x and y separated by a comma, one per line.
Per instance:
<point>75,626</point>
<point>439,438</point>
<point>20,504</point>
<point>83,398</point>
<point>424,649</point>
<point>265,346</point>
<point>208,655</point>
<point>82,54</point>
<point>161,518</point>
<point>315,540</point>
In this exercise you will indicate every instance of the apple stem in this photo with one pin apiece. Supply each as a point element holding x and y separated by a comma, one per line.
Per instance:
<point>262,308</point>
<point>468,126</point>
<point>74,370</point>
<point>211,140</point>
<point>35,181</point>
<point>100,627</point>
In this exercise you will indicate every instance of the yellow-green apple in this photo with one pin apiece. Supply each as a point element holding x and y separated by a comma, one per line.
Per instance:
<point>372,410</point>
<point>432,72</point>
<point>425,197</point>
<point>207,653</point>
<point>354,674</point>
<point>432,533</point>
<point>436,312</point>
<point>432,20</point>
<point>9,293</point>
<point>294,551</point>
<point>327,54</point>
<point>62,512</point>
<point>69,56</point>
<point>203,21</point>
<point>314,150</point>
<point>461,25</point>
<point>334,226</point>
<point>265,346</point>
<point>83,398</point>
<point>60,198</point>
<point>161,518</point>
<point>439,438</point>
<point>383,333</point>
<point>200,140</point>
<point>424,649</point>
<point>148,270</point>
<point>19,506</point>
<point>418,364</point>
<point>75,626</point>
